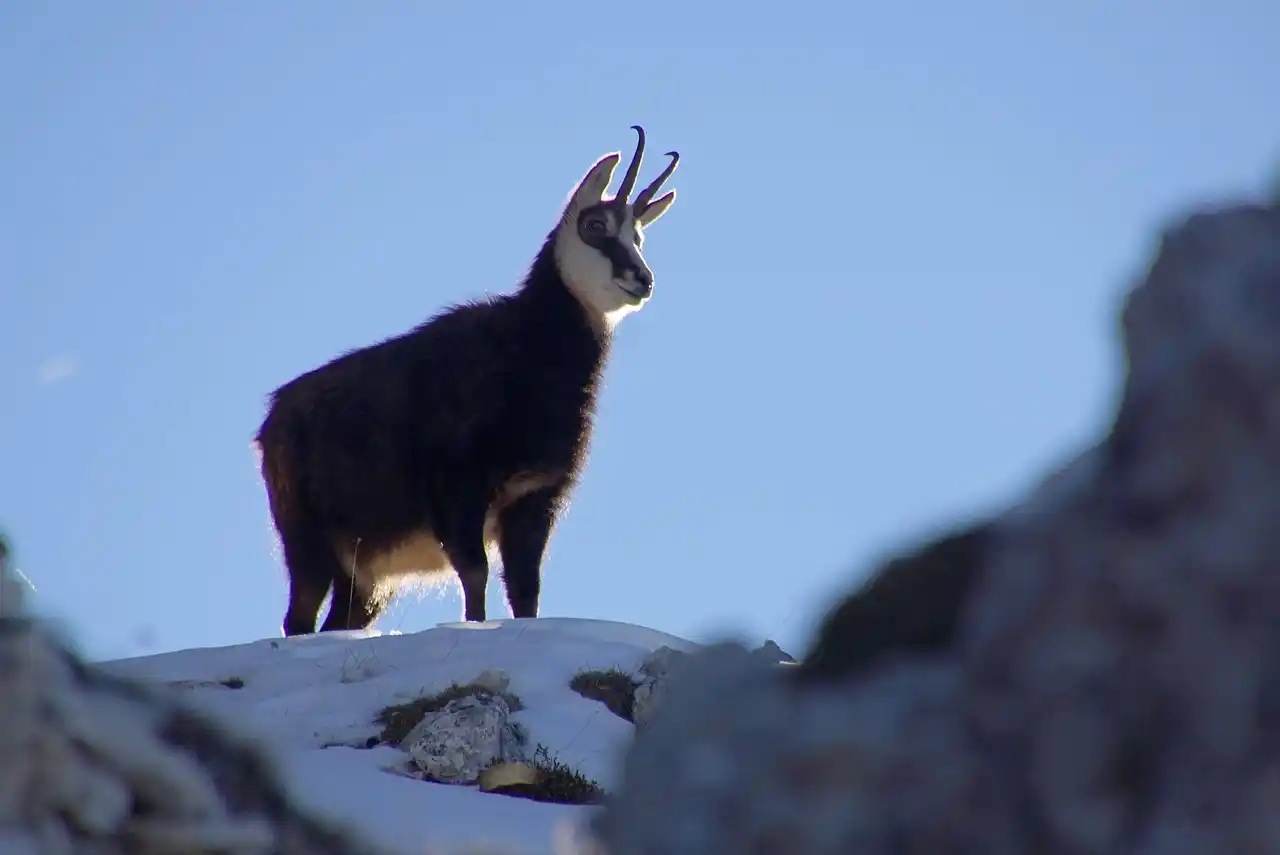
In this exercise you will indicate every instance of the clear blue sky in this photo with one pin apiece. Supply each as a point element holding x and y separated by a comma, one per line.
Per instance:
<point>885,297</point>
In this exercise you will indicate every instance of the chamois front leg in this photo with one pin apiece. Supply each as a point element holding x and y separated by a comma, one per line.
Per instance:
<point>312,568</point>
<point>463,541</point>
<point>524,529</point>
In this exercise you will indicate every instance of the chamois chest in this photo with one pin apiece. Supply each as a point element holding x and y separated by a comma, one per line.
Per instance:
<point>547,421</point>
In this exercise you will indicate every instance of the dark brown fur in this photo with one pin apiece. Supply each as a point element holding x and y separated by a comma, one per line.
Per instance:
<point>426,433</point>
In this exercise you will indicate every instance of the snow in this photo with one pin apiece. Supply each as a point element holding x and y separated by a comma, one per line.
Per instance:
<point>313,701</point>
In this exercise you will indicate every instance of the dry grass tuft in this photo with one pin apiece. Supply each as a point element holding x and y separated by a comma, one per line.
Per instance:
<point>555,782</point>
<point>614,688</point>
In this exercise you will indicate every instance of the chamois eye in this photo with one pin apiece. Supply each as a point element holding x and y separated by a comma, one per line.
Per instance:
<point>595,227</point>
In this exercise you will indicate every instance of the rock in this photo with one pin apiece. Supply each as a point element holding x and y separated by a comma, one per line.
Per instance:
<point>91,763</point>
<point>655,671</point>
<point>11,588</point>
<point>770,652</point>
<point>657,668</point>
<point>501,775</point>
<point>456,743</point>
<point>493,679</point>
<point>645,703</point>
<point>1093,671</point>
<point>659,663</point>
<point>911,606</point>
<point>789,769</point>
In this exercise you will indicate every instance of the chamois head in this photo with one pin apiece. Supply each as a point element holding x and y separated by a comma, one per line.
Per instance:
<point>598,241</point>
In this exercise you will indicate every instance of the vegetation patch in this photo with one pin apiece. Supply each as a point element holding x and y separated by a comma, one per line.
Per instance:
<point>398,719</point>
<point>192,685</point>
<point>554,782</point>
<point>614,688</point>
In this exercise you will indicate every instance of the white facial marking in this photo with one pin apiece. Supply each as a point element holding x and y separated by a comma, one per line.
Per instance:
<point>587,271</point>
<point>589,274</point>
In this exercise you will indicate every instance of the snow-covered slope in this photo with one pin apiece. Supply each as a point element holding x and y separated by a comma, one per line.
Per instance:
<point>314,700</point>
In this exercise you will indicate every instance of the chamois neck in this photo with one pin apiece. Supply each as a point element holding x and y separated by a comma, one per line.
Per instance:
<point>563,329</point>
<point>557,306</point>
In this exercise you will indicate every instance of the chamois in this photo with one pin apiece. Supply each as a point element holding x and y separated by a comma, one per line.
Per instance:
<point>415,456</point>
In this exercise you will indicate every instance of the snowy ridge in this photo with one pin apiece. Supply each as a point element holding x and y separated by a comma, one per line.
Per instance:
<point>313,701</point>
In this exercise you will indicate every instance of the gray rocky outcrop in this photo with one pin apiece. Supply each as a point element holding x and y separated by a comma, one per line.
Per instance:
<point>657,668</point>
<point>655,671</point>
<point>1096,670</point>
<point>94,764</point>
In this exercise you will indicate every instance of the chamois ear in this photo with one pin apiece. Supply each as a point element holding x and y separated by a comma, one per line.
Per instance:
<point>656,208</point>
<point>591,189</point>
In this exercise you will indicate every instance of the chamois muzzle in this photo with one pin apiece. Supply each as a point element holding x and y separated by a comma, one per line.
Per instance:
<point>633,170</point>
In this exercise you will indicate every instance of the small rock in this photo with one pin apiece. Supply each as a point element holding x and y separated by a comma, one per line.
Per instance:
<point>771,652</point>
<point>648,698</point>
<point>455,744</point>
<point>658,664</point>
<point>657,669</point>
<point>501,775</point>
<point>493,679</point>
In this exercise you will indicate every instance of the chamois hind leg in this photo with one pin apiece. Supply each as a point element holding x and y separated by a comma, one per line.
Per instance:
<point>524,529</point>
<point>462,538</point>
<point>311,564</point>
<point>351,606</point>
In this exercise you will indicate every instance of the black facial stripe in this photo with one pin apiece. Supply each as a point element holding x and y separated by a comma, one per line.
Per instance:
<point>612,247</point>
<point>618,257</point>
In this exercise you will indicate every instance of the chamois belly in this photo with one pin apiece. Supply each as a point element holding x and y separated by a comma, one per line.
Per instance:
<point>419,555</point>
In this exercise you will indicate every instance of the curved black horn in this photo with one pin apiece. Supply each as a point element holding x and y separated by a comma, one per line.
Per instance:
<point>629,181</point>
<point>647,194</point>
